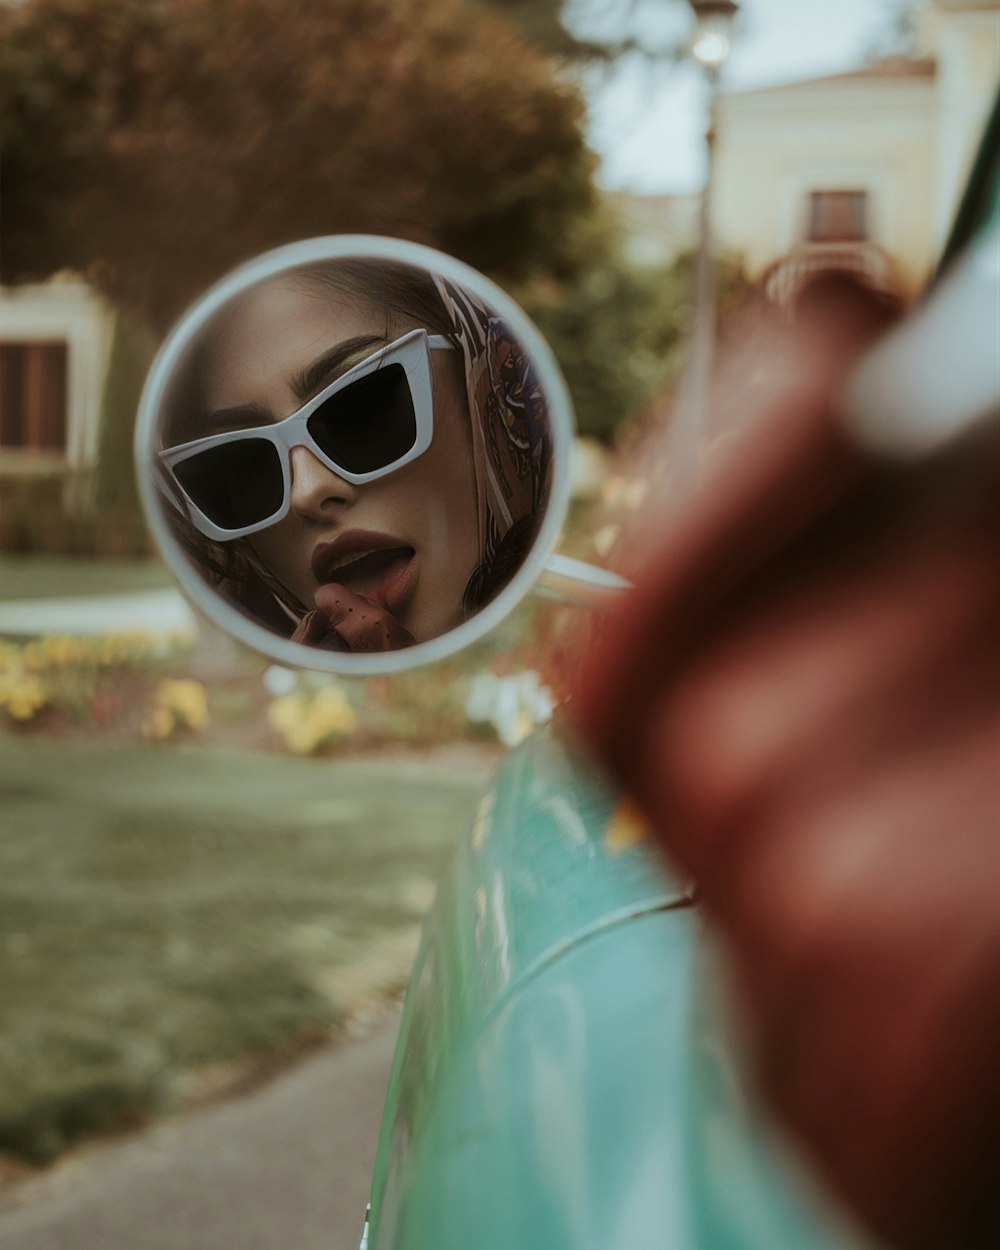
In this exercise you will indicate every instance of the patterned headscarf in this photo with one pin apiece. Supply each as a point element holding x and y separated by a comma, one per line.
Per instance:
<point>511,439</point>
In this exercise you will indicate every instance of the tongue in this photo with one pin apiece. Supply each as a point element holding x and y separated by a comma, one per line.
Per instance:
<point>373,572</point>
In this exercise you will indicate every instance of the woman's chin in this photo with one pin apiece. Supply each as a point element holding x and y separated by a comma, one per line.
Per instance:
<point>435,625</point>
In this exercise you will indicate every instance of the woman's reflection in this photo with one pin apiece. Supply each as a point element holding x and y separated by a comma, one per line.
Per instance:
<point>358,454</point>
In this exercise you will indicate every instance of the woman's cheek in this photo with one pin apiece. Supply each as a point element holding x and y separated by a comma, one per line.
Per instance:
<point>282,550</point>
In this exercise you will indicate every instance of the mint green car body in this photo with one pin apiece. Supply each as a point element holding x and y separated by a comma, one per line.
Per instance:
<point>563,1078</point>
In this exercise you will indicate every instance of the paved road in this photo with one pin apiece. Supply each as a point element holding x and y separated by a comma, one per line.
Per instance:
<point>286,1167</point>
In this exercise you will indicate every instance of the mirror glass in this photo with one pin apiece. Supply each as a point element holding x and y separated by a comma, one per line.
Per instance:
<point>353,452</point>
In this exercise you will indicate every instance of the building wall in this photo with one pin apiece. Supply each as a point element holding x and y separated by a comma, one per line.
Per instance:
<point>777,146</point>
<point>906,135</point>
<point>63,310</point>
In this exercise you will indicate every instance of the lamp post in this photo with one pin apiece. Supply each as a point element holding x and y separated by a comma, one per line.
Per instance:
<point>710,48</point>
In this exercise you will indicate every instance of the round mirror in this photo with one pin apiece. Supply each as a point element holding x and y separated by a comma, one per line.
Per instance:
<point>353,452</point>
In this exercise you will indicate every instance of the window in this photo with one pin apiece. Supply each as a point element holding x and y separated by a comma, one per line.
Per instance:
<point>33,396</point>
<point>838,216</point>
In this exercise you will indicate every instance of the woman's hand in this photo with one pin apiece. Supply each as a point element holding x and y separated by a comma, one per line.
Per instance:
<point>804,695</point>
<point>344,621</point>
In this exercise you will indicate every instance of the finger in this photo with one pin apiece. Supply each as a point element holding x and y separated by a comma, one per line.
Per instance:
<point>867,945</point>
<point>364,626</point>
<point>821,680</point>
<point>314,631</point>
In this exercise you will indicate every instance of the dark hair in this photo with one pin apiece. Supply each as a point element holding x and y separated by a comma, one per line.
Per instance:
<point>489,577</point>
<point>404,290</point>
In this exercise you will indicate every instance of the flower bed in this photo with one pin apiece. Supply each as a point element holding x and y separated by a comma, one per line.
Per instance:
<point>132,687</point>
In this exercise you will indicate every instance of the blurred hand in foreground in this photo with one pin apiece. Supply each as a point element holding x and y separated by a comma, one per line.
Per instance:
<point>803,693</point>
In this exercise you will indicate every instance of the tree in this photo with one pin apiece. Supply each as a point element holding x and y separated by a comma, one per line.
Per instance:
<point>600,31</point>
<point>153,144</point>
<point>618,329</point>
<point>899,32</point>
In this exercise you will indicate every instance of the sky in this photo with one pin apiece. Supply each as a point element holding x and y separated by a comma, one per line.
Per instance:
<point>647,126</point>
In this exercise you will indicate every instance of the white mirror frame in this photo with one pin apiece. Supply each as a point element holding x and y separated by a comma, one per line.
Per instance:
<point>227,617</point>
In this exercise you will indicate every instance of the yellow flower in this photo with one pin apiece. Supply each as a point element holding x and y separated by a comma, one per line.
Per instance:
<point>332,708</point>
<point>180,703</point>
<point>23,697</point>
<point>303,738</point>
<point>306,723</point>
<point>626,828</point>
<point>160,724</point>
<point>285,713</point>
<point>186,698</point>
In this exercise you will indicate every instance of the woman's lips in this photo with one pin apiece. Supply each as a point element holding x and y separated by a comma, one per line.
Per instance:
<point>374,575</point>
<point>376,566</point>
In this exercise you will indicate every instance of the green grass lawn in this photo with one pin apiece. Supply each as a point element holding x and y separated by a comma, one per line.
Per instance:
<point>167,909</point>
<point>51,577</point>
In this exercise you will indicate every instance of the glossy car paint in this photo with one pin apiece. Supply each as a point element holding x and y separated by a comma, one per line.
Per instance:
<point>565,1077</point>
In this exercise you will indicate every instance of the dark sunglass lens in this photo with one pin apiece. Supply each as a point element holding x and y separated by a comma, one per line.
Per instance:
<point>368,424</point>
<point>234,484</point>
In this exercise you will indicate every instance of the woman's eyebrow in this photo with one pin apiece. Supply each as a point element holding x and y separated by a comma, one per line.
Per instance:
<point>313,378</point>
<point>337,360</point>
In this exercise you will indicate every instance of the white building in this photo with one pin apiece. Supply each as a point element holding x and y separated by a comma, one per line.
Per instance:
<point>863,170</point>
<point>55,341</point>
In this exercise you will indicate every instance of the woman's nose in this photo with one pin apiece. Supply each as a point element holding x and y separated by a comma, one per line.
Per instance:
<point>316,490</point>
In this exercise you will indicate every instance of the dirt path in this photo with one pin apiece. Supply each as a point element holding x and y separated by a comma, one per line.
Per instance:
<point>286,1167</point>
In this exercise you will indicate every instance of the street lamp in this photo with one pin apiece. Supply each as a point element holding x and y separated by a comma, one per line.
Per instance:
<point>710,47</point>
<point>713,34</point>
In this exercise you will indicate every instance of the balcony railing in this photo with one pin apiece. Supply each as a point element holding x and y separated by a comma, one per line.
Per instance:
<point>786,277</point>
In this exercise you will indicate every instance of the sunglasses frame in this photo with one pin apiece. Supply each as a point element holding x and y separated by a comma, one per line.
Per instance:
<point>411,351</point>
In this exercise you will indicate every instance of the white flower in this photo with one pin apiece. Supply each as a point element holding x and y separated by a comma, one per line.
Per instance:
<point>513,705</point>
<point>279,681</point>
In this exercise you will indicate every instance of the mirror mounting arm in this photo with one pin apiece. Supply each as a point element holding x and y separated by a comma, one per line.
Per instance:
<point>573,581</point>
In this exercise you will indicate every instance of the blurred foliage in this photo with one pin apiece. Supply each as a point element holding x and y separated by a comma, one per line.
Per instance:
<point>592,32</point>
<point>153,144</point>
<point>34,521</point>
<point>542,23</point>
<point>132,353</point>
<point>81,679</point>
<point>899,33</point>
<point>28,577</point>
<point>610,324</point>
<point>555,26</point>
<point>618,328</point>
